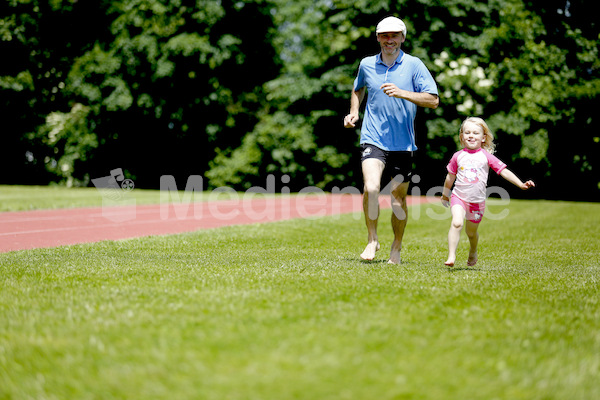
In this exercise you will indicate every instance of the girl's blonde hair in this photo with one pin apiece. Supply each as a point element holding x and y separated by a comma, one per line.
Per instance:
<point>488,137</point>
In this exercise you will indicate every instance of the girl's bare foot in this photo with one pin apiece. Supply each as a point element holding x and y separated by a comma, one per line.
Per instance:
<point>370,250</point>
<point>472,259</point>
<point>450,262</point>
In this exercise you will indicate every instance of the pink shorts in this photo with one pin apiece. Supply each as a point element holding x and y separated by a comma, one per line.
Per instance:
<point>474,211</point>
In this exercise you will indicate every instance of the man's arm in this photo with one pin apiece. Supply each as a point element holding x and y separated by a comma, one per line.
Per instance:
<point>421,99</point>
<point>356,98</point>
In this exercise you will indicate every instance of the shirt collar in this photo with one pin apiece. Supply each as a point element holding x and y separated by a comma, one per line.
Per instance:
<point>398,60</point>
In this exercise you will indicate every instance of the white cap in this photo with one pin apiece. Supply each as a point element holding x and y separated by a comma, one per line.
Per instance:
<point>391,24</point>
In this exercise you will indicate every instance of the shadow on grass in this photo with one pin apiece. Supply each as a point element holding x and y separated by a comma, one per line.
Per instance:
<point>369,262</point>
<point>457,269</point>
<point>366,262</point>
<point>379,262</point>
<point>385,262</point>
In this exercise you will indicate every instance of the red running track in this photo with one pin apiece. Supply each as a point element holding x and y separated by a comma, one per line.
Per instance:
<point>50,228</point>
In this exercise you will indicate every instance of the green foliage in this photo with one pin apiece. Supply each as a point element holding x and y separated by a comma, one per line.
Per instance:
<point>70,138</point>
<point>23,81</point>
<point>233,168</point>
<point>278,145</point>
<point>204,85</point>
<point>163,76</point>
<point>532,73</point>
<point>39,41</point>
<point>296,133</point>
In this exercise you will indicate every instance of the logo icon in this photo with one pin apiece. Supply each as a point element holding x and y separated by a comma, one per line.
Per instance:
<point>114,189</point>
<point>114,186</point>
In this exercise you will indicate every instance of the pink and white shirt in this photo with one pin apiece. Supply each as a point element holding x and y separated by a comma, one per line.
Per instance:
<point>471,168</point>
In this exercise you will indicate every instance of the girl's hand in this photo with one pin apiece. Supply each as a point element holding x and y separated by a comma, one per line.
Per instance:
<point>527,185</point>
<point>445,201</point>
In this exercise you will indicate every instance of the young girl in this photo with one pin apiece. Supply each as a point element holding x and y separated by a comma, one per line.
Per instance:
<point>469,169</point>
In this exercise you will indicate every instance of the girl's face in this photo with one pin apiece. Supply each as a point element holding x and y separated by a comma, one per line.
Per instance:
<point>472,136</point>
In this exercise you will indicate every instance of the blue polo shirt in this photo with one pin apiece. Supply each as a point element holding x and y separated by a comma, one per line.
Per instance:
<point>388,121</point>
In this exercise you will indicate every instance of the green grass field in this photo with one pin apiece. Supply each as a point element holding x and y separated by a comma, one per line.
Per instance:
<point>286,310</point>
<point>26,198</point>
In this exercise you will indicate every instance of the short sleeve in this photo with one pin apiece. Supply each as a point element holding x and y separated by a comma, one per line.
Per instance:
<point>359,82</point>
<point>495,162</point>
<point>452,166</point>
<point>423,80</point>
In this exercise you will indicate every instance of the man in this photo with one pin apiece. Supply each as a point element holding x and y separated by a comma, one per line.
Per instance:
<point>396,84</point>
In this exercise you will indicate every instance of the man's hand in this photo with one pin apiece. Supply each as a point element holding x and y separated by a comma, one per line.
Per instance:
<point>421,99</point>
<point>391,90</point>
<point>350,120</point>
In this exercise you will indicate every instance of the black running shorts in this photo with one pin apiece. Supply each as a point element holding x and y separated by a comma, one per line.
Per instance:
<point>396,162</point>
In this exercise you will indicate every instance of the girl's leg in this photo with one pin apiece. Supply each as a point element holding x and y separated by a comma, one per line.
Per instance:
<point>458,217</point>
<point>473,235</point>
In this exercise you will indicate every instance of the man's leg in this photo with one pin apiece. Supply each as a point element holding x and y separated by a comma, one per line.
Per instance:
<point>399,217</point>
<point>372,169</point>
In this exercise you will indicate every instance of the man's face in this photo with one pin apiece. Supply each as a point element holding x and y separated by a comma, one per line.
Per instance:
<point>390,42</point>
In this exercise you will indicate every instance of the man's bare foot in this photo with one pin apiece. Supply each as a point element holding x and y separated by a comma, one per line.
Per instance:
<point>472,259</point>
<point>395,254</point>
<point>395,259</point>
<point>370,250</point>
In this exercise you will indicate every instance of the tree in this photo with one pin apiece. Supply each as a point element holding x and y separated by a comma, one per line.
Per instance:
<point>163,85</point>
<point>39,41</point>
<point>242,89</point>
<point>531,72</point>
<point>298,132</point>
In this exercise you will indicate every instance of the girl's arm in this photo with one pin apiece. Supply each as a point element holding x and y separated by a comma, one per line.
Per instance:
<point>512,178</point>
<point>450,178</point>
